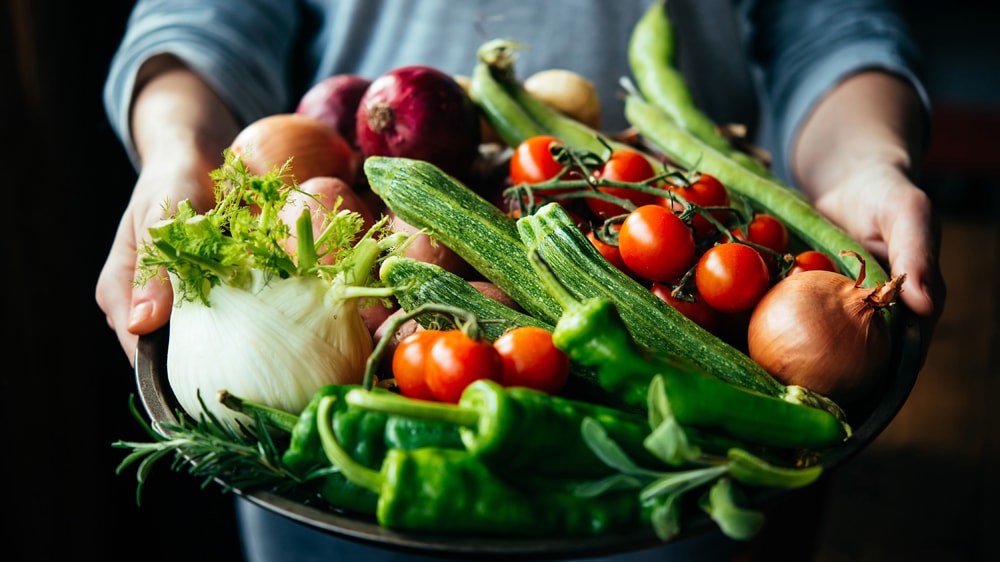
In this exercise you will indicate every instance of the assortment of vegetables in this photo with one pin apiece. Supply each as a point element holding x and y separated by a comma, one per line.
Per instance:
<point>663,325</point>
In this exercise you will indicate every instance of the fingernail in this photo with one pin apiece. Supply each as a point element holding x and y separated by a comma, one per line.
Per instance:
<point>141,313</point>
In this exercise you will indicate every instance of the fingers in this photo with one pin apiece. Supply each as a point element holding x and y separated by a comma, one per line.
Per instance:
<point>912,236</point>
<point>130,311</point>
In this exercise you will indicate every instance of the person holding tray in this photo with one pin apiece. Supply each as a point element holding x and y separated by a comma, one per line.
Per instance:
<point>830,88</point>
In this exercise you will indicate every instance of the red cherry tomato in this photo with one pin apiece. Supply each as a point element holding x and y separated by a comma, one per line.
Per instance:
<point>810,260</point>
<point>767,231</point>
<point>533,163</point>
<point>455,360</point>
<point>697,311</point>
<point>704,191</point>
<point>624,166</point>
<point>656,244</point>
<point>409,362</point>
<point>531,359</point>
<point>609,251</point>
<point>732,277</point>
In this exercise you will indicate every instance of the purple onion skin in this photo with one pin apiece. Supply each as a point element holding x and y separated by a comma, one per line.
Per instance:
<point>422,113</point>
<point>335,101</point>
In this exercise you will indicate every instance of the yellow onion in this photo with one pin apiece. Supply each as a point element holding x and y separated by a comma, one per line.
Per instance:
<point>825,332</point>
<point>568,93</point>
<point>315,147</point>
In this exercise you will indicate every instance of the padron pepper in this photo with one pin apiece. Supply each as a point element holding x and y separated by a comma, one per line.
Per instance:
<point>511,428</point>
<point>593,333</point>
<point>365,434</point>
<point>452,491</point>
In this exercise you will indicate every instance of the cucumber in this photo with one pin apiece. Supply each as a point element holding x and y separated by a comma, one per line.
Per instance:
<point>652,322</point>
<point>422,195</point>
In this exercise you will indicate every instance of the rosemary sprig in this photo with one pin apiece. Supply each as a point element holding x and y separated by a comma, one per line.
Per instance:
<point>211,449</point>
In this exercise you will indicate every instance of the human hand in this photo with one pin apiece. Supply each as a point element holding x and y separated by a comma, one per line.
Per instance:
<point>135,310</point>
<point>895,220</point>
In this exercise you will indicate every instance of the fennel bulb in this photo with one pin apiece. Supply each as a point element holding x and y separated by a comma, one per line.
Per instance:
<point>250,317</point>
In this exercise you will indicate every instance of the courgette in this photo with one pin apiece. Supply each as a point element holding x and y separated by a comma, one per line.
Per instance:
<point>419,282</point>
<point>653,323</point>
<point>424,196</point>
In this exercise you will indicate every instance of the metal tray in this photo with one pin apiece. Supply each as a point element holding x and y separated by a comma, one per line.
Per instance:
<point>868,421</point>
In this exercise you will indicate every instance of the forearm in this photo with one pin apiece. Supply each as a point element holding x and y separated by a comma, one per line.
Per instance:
<point>178,121</point>
<point>872,118</point>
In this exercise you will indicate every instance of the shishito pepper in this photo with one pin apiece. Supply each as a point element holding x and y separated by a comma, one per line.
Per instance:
<point>453,491</point>
<point>593,333</point>
<point>511,428</point>
<point>366,435</point>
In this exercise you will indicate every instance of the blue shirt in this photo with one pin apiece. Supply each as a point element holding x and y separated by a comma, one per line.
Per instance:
<point>776,58</point>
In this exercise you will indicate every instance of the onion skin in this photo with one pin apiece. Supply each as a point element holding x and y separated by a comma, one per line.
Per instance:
<point>422,113</point>
<point>335,101</point>
<point>823,331</point>
<point>568,93</point>
<point>316,148</point>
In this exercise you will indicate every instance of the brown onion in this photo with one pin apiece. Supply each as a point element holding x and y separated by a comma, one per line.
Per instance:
<point>316,148</point>
<point>825,332</point>
<point>568,93</point>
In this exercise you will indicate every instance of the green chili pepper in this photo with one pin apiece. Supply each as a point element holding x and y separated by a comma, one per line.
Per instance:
<point>593,333</point>
<point>366,434</point>
<point>509,429</point>
<point>452,491</point>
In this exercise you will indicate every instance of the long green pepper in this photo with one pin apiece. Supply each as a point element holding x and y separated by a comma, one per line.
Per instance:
<point>511,428</point>
<point>453,491</point>
<point>593,333</point>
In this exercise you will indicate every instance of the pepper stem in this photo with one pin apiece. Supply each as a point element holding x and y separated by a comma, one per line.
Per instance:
<point>390,403</point>
<point>280,419</point>
<point>357,473</point>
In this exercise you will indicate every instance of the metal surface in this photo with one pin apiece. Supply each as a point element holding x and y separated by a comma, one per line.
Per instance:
<point>160,404</point>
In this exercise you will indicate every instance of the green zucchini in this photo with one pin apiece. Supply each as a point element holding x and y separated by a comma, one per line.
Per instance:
<point>768,195</point>
<point>422,195</point>
<point>653,323</point>
<point>420,283</point>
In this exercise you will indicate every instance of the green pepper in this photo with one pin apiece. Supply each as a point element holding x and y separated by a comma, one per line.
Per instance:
<point>366,434</point>
<point>509,429</point>
<point>453,491</point>
<point>593,333</point>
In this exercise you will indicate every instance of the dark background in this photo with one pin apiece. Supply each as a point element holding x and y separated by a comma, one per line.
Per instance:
<point>64,392</point>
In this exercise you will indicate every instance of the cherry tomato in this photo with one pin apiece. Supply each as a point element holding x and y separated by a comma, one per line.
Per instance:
<point>704,191</point>
<point>533,163</point>
<point>609,251</point>
<point>656,244</point>
<point>813,260</point>
<point>732,277</point>
<point>409,362</point>
<point>767,231</point>
<point>531,359</point>
<point>455,360</point>
<point>698,311</point>
<point>624,166</point>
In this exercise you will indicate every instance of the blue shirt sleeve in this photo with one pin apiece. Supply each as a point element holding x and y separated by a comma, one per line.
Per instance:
<point>241,49</point>
<point>804,49</point>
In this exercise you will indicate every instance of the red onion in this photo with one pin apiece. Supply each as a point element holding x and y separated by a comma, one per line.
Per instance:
<point>823,331</point>
<point>422,113</point>
<point>335,100</point>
